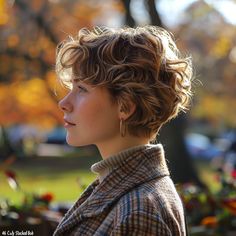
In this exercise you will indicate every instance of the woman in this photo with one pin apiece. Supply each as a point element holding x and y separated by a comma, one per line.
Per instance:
<point>124,85</point>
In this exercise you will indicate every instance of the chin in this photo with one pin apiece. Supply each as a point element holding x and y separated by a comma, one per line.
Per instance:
<point>75,143</point>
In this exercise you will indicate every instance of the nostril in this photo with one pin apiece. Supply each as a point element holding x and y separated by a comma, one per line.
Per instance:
<point>61,104</point>
<point>65,106</point>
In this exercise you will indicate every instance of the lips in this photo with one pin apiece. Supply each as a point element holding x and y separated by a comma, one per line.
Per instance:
<point>68,122</point>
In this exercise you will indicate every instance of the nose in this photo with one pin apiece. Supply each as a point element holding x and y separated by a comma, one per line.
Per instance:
<point>65,104</point>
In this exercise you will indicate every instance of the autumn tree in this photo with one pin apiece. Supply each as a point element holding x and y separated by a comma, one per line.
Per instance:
<point>212,41</point>
<point>30,32</point>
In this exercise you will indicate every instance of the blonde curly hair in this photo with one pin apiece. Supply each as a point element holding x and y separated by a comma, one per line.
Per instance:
<point>139,64</point>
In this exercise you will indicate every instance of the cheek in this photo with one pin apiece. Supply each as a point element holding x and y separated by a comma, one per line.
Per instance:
<point>98,116</point>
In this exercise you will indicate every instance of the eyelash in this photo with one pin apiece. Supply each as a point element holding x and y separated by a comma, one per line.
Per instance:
<point>82,88</point>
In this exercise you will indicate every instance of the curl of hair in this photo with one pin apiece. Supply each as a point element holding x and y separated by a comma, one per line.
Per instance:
<point>139,64</point>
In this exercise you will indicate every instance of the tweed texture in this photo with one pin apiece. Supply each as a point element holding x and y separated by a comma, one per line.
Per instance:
<point>104,167</point>
<point>136,198</point>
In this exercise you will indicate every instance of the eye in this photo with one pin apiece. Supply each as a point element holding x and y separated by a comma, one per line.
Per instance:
<point>82,89</point>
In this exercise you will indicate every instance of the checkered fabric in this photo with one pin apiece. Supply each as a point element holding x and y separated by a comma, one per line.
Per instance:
<point>136,198</point>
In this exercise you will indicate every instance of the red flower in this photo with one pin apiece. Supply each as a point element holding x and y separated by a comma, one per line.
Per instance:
<point>47,197</point>
<point>11,178</point>
<point>230,204</point>
<point>233,174</point>
<point>10,174</point>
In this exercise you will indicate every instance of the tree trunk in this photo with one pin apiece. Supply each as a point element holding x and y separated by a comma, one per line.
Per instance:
<point>181,166</point>
<point>154,16</point>
<point>129,20</point>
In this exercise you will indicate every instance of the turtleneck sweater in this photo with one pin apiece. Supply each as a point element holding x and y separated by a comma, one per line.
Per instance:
<point>105,166</point>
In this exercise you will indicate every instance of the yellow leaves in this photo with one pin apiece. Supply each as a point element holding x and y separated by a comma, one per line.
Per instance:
<point>221,47</point>
<point>46,48</point>
<point>31,93</point>
<point>13,40</point>
<point>217,108</point>
<point>28,102</point>
<point>8,110</point>
<point>85,9</point>
<point>34,51</point>
<point>4,17</point>
<point>44,43</point>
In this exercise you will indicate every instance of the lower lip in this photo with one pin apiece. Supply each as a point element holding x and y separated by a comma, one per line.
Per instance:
<point>67,125</point>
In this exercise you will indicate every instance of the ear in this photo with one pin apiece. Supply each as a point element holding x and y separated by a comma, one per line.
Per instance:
<point>126,108</point>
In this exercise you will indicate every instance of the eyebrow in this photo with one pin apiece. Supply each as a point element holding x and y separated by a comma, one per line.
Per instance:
<point>75,80</point>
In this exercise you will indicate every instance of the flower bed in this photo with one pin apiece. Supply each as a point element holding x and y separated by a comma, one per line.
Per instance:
<point>207,213</point>
<point>210,213</point>
<point>33,216</point>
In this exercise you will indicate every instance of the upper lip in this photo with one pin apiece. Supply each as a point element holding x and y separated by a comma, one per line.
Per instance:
<point>68,122</point>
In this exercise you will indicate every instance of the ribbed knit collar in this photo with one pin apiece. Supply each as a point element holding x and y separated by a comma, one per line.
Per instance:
<point>104,167</point>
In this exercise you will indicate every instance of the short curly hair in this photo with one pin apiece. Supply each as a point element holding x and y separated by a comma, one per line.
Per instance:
<point>139,64</point>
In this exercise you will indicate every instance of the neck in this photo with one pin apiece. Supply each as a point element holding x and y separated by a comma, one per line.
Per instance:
<point>111,147</point>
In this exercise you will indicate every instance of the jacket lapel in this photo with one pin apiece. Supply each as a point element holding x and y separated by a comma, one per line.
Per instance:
<point>67,222</point>
<point>137,169</point>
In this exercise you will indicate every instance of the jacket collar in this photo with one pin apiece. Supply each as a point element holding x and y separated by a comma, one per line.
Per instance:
<point>139,167</point>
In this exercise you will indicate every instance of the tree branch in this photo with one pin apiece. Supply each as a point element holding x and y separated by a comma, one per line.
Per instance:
<point>128,17</point>
<point>153,13</point>
<point>44,66</point>
<point>27,57</point>
<point>39,20</point>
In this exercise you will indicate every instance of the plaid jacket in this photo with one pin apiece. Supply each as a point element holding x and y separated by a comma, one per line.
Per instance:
<point>136,198</point>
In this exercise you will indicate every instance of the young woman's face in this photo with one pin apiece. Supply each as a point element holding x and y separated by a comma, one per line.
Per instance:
<point>89,114</point>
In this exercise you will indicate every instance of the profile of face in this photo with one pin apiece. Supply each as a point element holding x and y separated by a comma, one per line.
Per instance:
<point>90,115</point>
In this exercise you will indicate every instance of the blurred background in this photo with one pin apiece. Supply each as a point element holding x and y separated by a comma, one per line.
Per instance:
<point>39,171</point>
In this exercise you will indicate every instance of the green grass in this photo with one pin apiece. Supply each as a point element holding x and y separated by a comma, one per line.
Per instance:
<point>64,186</point>
<point>59,176</point>
<point>207,174</point>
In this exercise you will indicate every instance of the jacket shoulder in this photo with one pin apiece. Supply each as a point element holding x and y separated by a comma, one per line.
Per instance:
<point>155,195</point>
<point>157,198</point>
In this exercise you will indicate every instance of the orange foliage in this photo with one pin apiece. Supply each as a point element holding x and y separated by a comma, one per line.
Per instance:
<point>28,52</point>
<point>3,13</point>
<point>209,221</point>
<point>28,102</point>
<point>216,108</point>
<point>32,91</point>
<point>230,204</point>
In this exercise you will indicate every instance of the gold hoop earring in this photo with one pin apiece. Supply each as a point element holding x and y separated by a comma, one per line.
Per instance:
<point>122,128</point>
